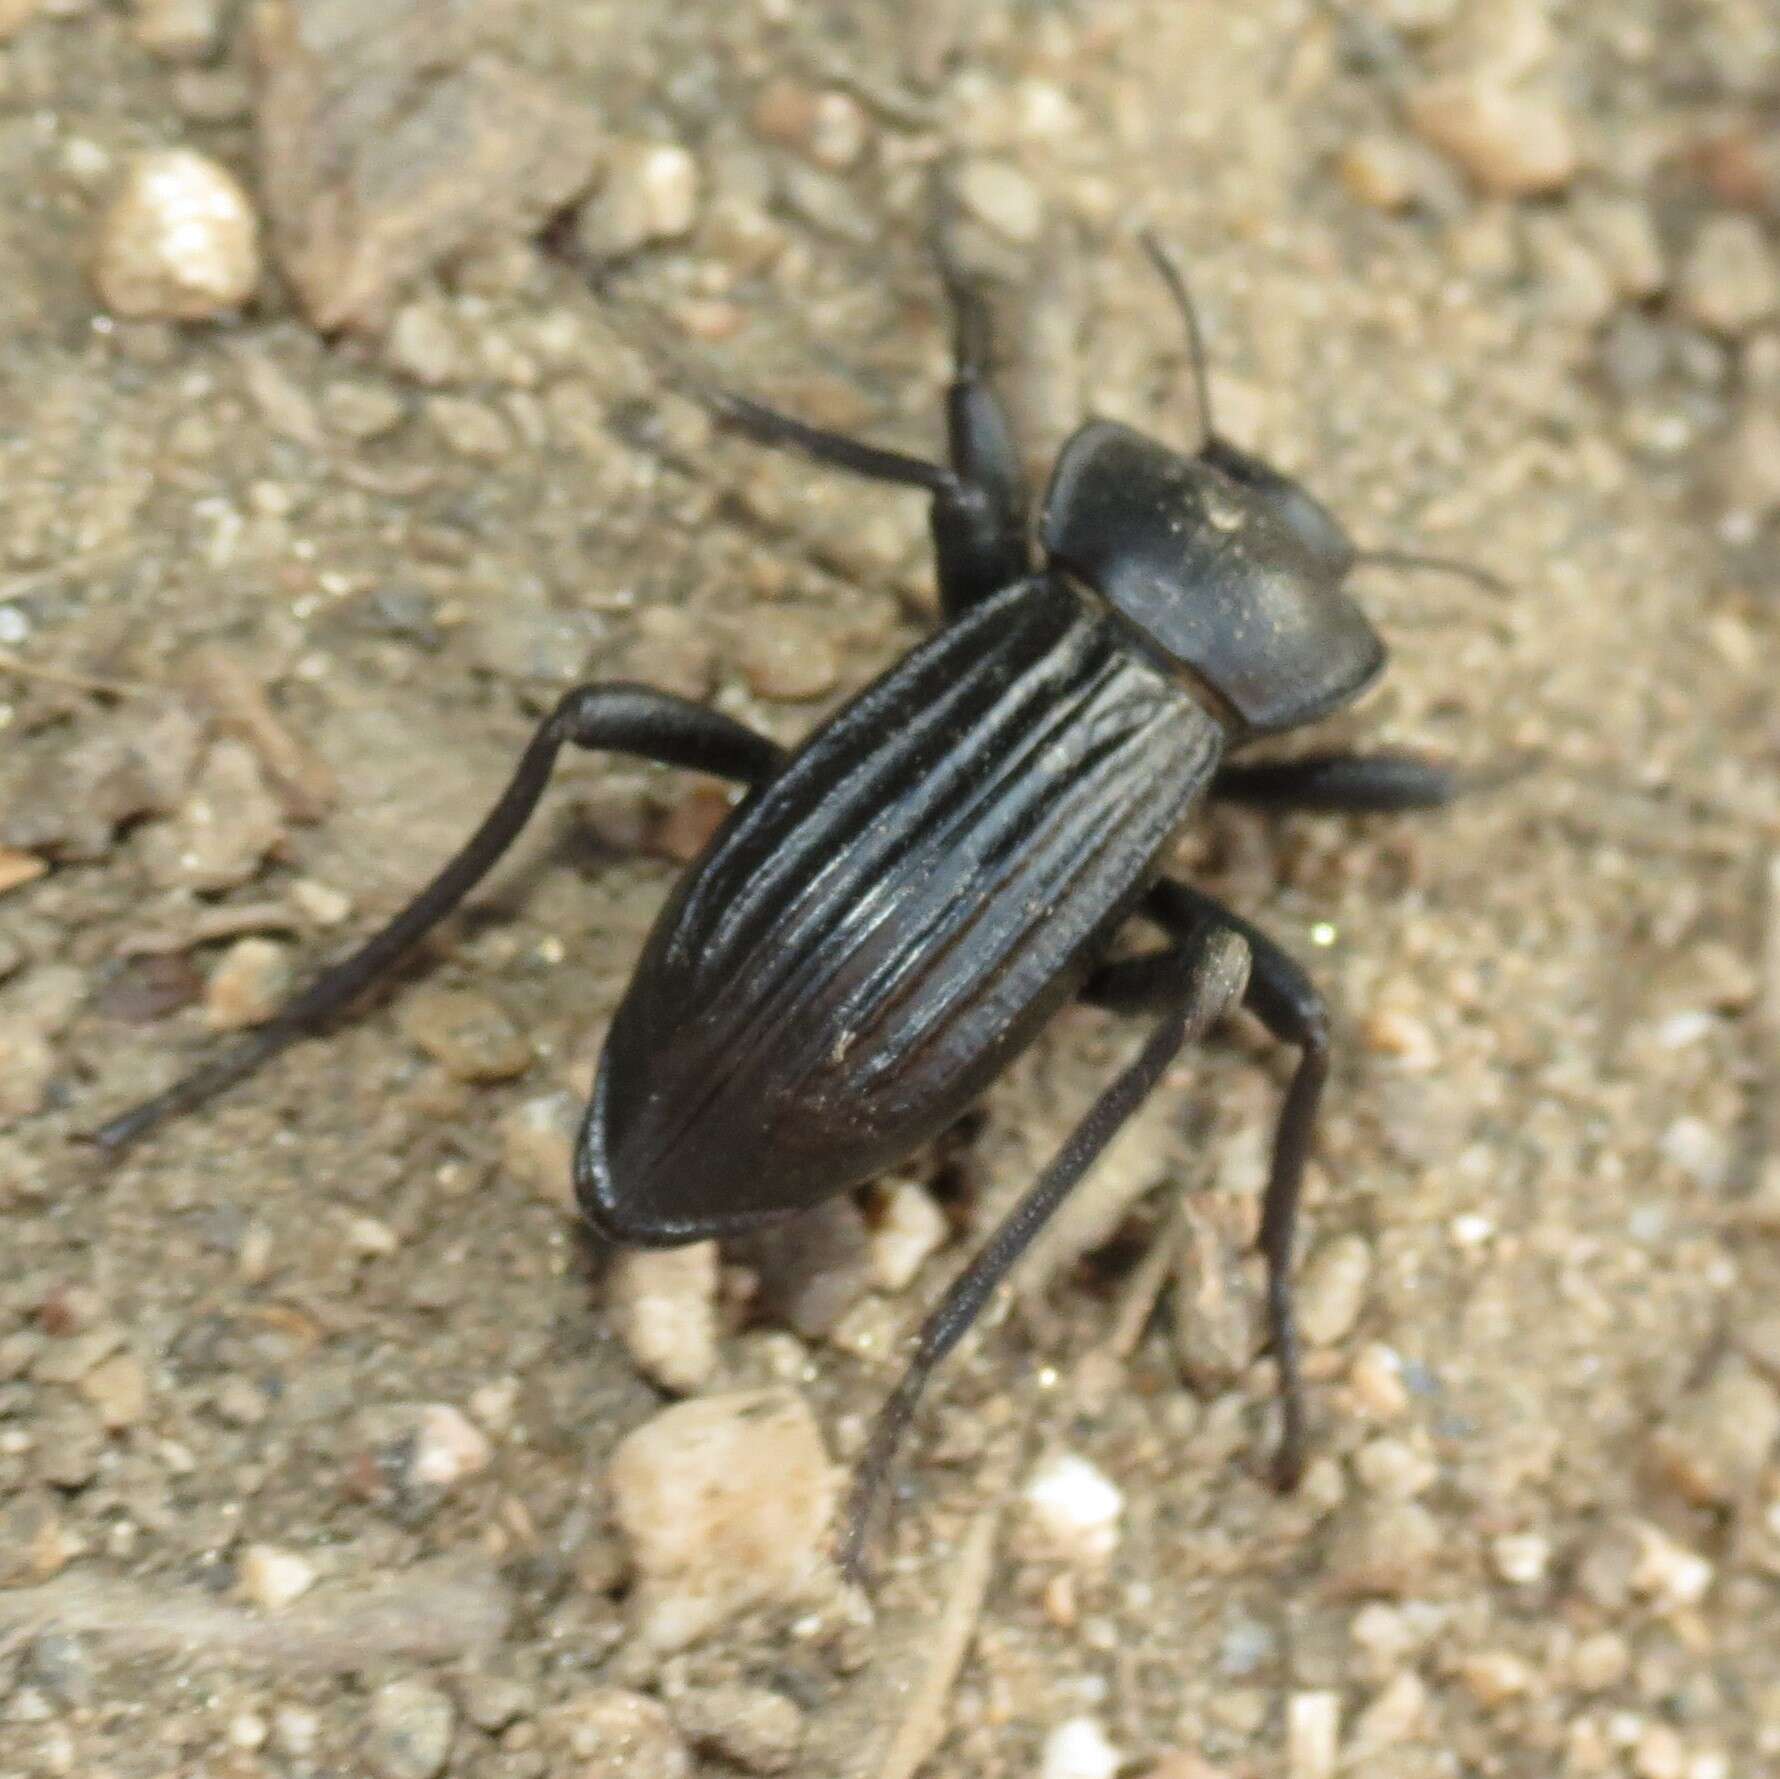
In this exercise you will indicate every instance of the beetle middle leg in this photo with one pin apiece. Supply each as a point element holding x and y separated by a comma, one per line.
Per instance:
<point>1197,985</point>
<point>1283,997</point>
<point>624,718</point>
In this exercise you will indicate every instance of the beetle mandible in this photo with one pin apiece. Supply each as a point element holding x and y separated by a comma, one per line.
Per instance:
<point>897,906</point>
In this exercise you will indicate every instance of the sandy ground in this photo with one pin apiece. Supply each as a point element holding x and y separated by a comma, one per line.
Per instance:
<point>1542,1531</point>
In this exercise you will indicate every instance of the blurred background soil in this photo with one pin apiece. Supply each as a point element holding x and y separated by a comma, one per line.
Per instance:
<point>319,480</point>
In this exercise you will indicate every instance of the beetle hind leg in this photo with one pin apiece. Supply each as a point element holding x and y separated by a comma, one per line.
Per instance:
<point>624,718</point>
<point>1281,995</point>
<point>1203,982</point>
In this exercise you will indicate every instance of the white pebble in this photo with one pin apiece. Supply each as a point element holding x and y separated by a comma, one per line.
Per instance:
<point>1079,1749</point>
<point>650,194</point>
<point>272,1578</point>
<point>664,1308</point>
<point>1073,1509</point>
<point>1521,1557</point>
<point>1332,1292</point>
<point>1668,1572</point>
<point>180,240</point>
<point>447,1447</point>
<point>912,1227</point>
<point>999,194</point>
<point>1313,1734</point>
<point>725,1503</point>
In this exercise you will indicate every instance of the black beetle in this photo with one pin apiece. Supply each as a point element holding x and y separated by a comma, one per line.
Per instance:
<point>895,908</point>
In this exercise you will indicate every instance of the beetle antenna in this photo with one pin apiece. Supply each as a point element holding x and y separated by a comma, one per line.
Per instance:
<point>1172,276</point>
<point>1409,559</point>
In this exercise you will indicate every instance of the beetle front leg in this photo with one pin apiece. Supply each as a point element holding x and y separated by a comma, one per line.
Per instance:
<point>1198,985</point>
<point>1342,784</point>
<point>1283,997</point>
<point>618,716</point>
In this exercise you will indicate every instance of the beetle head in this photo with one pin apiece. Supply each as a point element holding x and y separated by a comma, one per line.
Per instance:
<point>1228,567</point>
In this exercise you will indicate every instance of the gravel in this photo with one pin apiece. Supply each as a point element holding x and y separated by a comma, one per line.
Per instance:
<point>1496,278</point>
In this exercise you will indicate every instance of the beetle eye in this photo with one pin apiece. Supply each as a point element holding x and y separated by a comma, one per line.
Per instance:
<point>1317,529</point>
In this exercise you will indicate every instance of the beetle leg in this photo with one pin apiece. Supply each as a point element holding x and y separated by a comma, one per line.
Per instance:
<point>625,718</point>
<point>1206,980</point>
<point>1346,784</point>
<point>1289,1004</point>
<point>980,539</point>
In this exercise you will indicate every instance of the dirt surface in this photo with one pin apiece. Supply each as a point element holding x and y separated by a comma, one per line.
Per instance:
<point>278,611</point>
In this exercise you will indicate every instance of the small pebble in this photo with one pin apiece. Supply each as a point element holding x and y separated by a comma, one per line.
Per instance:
<point>362,411</point>
<point>118,1390</point>
<point>664,1309</point>
<point>1394,1468</point>
<point>1217,1330</point>
<point>1666,1571</point>
<point>650,193</point>
<point>371,1236</point>
<point>999,195</point>
<point>1715,1444</point>
<point>179,30</point>
<point>809,1271</point>
<point>70,1446</point>
<point>248,1730</point>
<point>296,1731</point>
<point>1660,1753</point>
<point>618,1735</point>
<point>1313,1734</point>
<point>725,1503</point>
<point>1624,234</point>
<point>272,1578</point>
<point>448,1447</point>
<point>19,868</point>
<point>1600,1661</point>
<point>1495,1676</point>
<point>1332,1292</point>
<point>538,1145</point>
<point>910,1227</point>
<point>787,655</point>
<point>179,242</point>
<point>1511,142</point>
<point>1521,1558</point>
<point>424,343</point>
<point>27,1066</point>
<point>470,428</point>
<point>492,1701</point>
<point>1730,280</point>
<point>222,830</point>
<point>1382,1547</point>
<point>409,1730</point>
<point>1072,1511</point>
<point>1380,170</point>
<point>1079,1748</point>
<point>320,902</point>
<point>472,1037</point>
<point>1389,1720</point>
<point>247,985</point>
<point>673,650</point>
<point>829,127</point>
<point>758,1729</point>
<point>1376,1379</point>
